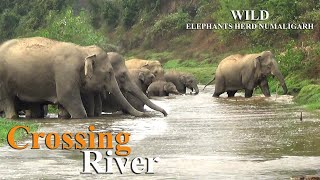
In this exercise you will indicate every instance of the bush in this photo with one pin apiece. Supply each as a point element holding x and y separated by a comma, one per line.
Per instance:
<point>68,27</point>
<point>9,21</point>
<point>309,95</point>
<point>291,60</point>
<point>169,25</point>
<point>19,18</point>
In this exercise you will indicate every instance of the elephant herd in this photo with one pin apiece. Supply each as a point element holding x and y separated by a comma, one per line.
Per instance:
<point>84,81</point>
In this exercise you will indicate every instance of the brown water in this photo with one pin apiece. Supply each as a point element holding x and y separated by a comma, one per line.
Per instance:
<point>202,138</point>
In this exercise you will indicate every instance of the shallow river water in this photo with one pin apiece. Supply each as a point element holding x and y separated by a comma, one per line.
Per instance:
<point>201,138</point>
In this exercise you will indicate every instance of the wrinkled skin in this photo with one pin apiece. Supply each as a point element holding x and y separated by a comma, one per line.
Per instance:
<point>127,86</point>
<point>154,66</point>
<point>182,81</point>
<point>43,70</point>
<point>162,88</point>
<point>246,72</point>
<point>142,78</point>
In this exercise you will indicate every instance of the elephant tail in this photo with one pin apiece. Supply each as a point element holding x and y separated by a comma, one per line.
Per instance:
<point>209,83</point>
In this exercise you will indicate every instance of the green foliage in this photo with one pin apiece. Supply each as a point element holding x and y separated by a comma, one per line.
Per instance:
<point>68,27</point>
<point>295,82</point>
<point>18,18</point>
<point>130,12</point>
<point>6,125</point>
<point>291,60</point>
<point>111,13</point>
<point>202,71</point>
<point>309,95</point>
<point>169,25</point>
<point>123,13</point>
<point>53,109</point>
<point>9,21</point>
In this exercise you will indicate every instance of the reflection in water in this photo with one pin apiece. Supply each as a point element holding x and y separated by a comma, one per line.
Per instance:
<point>202,137</point>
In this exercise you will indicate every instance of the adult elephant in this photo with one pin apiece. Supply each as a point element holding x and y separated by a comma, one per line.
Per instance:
<point>43,70</point>
<point>182,81</point>
<point>154,66</point>
<point>246,72</point>
<point>126,85</point>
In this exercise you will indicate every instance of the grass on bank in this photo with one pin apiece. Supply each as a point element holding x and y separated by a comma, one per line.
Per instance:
<point>6,125</point>
<point>309,96</point>
<point>202,71</point>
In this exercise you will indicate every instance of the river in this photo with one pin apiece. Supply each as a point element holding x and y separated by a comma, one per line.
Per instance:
<point>201,138</point>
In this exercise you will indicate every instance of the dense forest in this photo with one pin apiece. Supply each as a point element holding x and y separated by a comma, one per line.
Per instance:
<point>157,30</point>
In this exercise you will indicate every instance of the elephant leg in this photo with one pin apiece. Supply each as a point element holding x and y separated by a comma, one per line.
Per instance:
<point>88,103</point>
<point>219,88</point>
<point>69,97</point>
<point>97,104</point>
<point>63,113</point>
<point>45,110</point>
<point>231,93</point>
<point>248,93</point>
<point>28,113</point>
<point>264,86</point>
<point>10,110</point>
<point>36,111</point>
<point>163,93</point>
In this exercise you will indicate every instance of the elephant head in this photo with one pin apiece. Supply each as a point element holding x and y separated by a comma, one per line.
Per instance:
<point>190,82</point>
<point>100,76</point>
<point>266,64</point>
<point>156,68</point>
<point>126,84</point>
<point>145,76</point>
<point>170,88</point>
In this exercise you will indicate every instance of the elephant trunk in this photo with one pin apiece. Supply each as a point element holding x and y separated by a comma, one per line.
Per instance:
<point>123,101</point>
<point>135,91</point>
<point>280,77</point>
<point>196,89</point>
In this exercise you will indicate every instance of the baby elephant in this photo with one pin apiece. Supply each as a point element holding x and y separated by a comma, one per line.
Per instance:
<point>182,81</point>
<point>162,88</point>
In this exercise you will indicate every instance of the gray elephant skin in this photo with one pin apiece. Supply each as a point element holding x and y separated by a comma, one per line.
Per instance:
<point>182,81</point>
<point>237,72</point>
<point>142,78</point>
<point>127,86</point>
<point>153,65</point>
<point>162,88</point>
<point>38,70</point>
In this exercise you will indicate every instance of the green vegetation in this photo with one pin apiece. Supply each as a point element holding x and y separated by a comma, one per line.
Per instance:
<point>53,109</point>
<point>6,125</point>
<point>202,71</point>
<point>309,96</point>
<point>64,26</point>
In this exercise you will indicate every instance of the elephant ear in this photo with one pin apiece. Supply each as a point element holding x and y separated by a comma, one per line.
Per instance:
<point>257,62</point>
<point>146,65</point>
<point>88,66</point>
<point>141,76</point>
<point>165,87</point>
<point>183,79</point>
